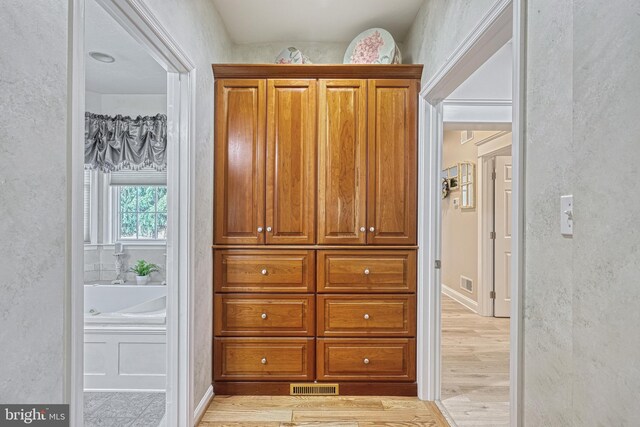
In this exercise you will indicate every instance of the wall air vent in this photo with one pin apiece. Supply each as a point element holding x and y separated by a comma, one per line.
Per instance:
<point>313,389</point>
<point>466,284</point>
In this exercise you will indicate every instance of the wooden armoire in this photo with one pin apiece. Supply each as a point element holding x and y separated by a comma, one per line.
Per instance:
<point>314,253</point>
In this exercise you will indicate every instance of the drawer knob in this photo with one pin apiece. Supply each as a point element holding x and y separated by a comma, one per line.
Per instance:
<point>259,229</point>
<point>366,271</point>
<point>264,272</point>
<point>269,229</point>
<point>366,317</point>
<point>264,361</point>
<point>363,229</point>
<point>263,315</point>
<point>372,229</point>
<point>366,361</point>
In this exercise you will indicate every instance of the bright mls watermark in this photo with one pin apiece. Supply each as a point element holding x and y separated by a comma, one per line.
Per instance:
<point>34,415</point>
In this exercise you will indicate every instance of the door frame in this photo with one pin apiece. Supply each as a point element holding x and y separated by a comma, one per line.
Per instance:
<point>136,18</point>
<point>505,20</point>
<point>485,198</point>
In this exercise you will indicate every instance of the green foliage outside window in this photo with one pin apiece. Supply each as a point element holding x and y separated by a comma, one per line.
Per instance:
<point>143,212</point>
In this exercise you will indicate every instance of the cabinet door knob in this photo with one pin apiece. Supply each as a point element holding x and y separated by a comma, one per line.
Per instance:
<point>263,315</point>
<point>259,229</point>
<point>264,361</point>
<point>269,229</point>
<point>366,361</point>
<point>366,271</point>
<point>366,317</point>
<point>264,272</point>
<point>363,229</point>
<point>372,229</point>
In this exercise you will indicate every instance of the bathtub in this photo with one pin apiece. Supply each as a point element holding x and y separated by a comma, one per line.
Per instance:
<point>124,337</point>
<point>109,304</point>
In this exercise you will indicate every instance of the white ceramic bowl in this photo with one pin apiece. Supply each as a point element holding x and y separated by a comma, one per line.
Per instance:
<point>373,46</point>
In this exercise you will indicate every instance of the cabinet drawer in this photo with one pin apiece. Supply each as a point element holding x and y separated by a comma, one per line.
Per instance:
<point>366,359</point>
<point>366,315</point>
<point>264,271</point>
<point>367,270</point>
<point>264,315</point>
<point>264,359</point>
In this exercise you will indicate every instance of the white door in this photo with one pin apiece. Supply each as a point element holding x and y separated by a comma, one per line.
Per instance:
<point>502,247</point>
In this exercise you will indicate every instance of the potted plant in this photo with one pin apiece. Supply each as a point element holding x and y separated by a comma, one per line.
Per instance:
<point>143,269</point>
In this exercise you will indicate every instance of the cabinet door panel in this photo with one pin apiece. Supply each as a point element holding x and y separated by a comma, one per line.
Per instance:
<point>291,157</point>
<point>342,162</point>
<point>392,171</point>
<point>239,161</point>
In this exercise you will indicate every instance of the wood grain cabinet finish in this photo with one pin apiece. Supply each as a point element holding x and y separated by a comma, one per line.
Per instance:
<point>366,315</point>
<point>264,359</point>
<point>291,162</point>
<point>354,271</point>
<point>239,161</point>
<point>273,271</point>
<point>265,159</point>
<point>342,162</point>
<point>315,227</point>
<point>393,162</point>
<point>264,315</point>
<point>341,359</point>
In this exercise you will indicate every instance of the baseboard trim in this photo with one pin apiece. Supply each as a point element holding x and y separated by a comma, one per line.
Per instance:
<point>200,410</point>
<point>460,298</point>
<point>281,388</point>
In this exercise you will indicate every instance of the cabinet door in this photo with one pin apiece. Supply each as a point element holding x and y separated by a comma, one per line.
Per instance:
<point>392,172</point>
<point>342,162</point>
<point>291,158</point>
<point>239,161</point>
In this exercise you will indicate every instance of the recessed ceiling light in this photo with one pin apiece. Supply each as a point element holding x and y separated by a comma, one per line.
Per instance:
<point>102,57</point>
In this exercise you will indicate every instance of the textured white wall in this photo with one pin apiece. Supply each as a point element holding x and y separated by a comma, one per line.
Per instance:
<point>318,53</point>
<point>33,200</point>
<point>549,158</point>
<point>581,293</point>
<point>198,29</point>
<point>440,26</point>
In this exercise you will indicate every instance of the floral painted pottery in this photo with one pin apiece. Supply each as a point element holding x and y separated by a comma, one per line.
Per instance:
<point>291,55</point>
<point>373,46</point>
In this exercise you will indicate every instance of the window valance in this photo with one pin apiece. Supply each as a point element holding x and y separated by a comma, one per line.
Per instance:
<point>121,142</point>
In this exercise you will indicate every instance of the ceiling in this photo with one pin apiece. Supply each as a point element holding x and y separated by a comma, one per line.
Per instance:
<point>134,70</point>
<point>263,21</point>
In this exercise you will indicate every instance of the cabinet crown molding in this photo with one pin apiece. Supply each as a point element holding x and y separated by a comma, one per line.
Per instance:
<point>323,71</point>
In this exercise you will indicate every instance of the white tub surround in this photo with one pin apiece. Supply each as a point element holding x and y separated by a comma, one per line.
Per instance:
<point>125,337</point>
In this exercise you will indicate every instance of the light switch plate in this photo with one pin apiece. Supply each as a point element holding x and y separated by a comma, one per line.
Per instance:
<point>456,203</point>
<point>566,215</point>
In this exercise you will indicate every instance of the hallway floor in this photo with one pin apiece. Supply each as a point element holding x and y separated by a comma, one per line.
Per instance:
<point>475,366</point>
<point>343,411</point>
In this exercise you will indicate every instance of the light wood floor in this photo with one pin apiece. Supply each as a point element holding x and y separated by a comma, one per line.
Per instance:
<point>475,366</point>
<point>334,411</point>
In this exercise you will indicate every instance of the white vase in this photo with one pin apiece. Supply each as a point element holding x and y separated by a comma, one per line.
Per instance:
<point>142,280</point>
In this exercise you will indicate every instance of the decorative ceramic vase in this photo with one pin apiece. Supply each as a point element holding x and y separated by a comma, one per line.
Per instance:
<point>373,46</point>
<point>291,55</point>
<point>142,280</point>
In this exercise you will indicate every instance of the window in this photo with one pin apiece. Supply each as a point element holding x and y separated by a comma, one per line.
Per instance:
<point>87,206</point>
<point>142,212</point>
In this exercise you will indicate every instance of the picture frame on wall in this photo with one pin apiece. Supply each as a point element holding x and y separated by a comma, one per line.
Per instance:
<point>451,175</point>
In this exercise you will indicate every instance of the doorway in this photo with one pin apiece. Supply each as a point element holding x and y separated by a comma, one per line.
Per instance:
<point>171,222</point>
<point>501,24</point>
<point>475,345</point>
